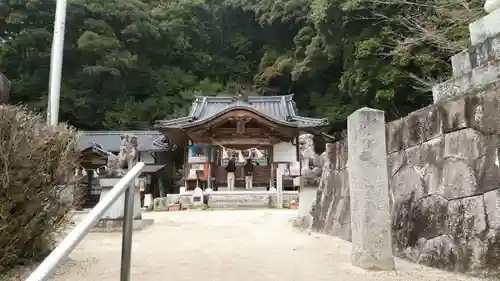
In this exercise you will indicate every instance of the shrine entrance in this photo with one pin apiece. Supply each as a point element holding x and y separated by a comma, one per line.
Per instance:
<point>260,156</point>
<point>264,129</point>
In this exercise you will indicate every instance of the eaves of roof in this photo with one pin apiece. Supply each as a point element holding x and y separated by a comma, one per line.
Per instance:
<point>200,113</point>
<point>293,121</point>
<point>96,150</point>
<point>110,140</point>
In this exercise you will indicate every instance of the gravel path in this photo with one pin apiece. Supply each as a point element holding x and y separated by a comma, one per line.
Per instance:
<point>256,245</point>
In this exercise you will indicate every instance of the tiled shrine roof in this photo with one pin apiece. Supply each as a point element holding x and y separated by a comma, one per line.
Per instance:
<point>279,109</point>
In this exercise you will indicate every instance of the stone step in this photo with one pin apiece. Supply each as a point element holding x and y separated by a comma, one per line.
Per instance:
<point>476,79</point>
<point>224,200</point>
<point>255,188</point>
<point>249,199</point>
<point>229,199</point>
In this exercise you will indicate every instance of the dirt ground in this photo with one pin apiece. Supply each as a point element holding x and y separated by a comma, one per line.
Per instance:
<point>256,245</point>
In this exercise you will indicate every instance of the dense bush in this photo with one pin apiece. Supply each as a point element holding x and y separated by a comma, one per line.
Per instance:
<point>35,163</point>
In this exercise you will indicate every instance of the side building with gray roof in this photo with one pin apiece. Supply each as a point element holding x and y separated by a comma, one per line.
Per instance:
<point>149,141</point>
<point>151,145</point>
<point>153,151</point>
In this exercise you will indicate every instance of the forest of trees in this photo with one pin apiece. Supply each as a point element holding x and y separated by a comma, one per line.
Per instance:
<point>130,62</point>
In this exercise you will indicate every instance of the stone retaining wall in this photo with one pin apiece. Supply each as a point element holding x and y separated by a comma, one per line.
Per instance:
<point>444,185</point>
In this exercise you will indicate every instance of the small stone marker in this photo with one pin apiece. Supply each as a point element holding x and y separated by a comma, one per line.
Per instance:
<point>279,185</point>
<point>368,181</point>
<point>197,196</point>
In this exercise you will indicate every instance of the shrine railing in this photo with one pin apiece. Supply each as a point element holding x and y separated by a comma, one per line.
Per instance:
<point>69,243</point>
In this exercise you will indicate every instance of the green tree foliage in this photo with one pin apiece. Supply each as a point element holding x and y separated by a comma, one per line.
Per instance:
<point>129,62</point>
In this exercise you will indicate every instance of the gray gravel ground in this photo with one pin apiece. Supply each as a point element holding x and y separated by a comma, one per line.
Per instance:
<point>254,245</point>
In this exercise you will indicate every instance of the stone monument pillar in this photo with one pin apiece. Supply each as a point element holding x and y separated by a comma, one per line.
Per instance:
<point>280,171</point>
<point>369,190</point>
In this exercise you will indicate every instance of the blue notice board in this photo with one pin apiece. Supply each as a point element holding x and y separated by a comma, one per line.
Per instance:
<point>198,153</point>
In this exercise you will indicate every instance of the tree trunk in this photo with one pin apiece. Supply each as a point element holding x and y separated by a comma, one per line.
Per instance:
<point>4,89</point>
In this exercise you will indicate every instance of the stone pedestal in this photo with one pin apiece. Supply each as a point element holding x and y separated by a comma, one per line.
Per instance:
<point>369,190</point>
<point>307,195</point>
<point>148,202</point>
<point>197,197</point>
<point>116,211</point>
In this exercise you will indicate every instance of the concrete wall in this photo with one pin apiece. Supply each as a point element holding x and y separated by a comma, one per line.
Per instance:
<point>443,184</point>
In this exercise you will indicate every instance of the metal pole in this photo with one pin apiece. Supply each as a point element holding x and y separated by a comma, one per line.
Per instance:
<point>128,220</point>
<point>46,268</point>
<point>56,60</point>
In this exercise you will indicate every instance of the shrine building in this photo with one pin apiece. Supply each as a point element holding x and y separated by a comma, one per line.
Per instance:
<point>153,150</point>
<point>263,128</point>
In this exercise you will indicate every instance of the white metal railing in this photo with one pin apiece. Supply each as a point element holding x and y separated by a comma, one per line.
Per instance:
<point>69,243</point>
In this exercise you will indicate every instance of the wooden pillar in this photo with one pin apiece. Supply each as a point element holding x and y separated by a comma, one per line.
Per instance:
<point>166,175</point>
<point>301,185</point>
<point>297,149</point>
<point>211,159</point>
<point>186,164</point>
<point>271,163</point>
<point>161,190</point>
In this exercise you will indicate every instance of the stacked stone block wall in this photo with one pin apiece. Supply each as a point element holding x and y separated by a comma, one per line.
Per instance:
<point>444,185</point>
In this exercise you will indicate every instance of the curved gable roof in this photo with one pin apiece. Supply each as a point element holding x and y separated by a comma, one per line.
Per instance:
<point>278,109</point>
